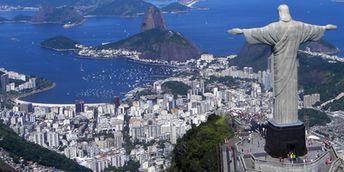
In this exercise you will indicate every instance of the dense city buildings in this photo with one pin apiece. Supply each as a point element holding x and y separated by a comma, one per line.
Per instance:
<point>13,81</point>
<point>141,128</point>
<point>145,128</point>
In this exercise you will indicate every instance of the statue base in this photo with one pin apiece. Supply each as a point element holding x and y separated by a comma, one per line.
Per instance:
<point>282,140</point>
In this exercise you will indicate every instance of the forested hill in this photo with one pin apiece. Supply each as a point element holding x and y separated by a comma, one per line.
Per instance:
<point>196,151</point>
<point>19,147</point>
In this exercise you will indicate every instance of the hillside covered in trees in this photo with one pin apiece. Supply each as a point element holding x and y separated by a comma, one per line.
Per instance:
<point>197,150</point>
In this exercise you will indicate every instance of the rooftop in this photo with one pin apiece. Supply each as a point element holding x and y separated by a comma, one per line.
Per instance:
<point>253,156</point>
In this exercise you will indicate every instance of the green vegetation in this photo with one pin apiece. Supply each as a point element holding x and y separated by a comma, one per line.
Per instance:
<point>255,55</point>
<point>197,150</point>
<point>314,117</point>
<point>121,8</point>
<point>320,46</point>
<point>227,80</point>
<point>318,76</point>
<point>176,87</point>
<point>19,147</point>
<point>175,7</point>
<point>104,134</point>
<point>7,103</point>
<point>5,167</point>
<point>147,39</point>
<point>128,146</point>
<point>144,92</point>
<point>335,105</point>
<point>132,166</point>
<point>59,43</point>
<point>42,83</point>
<point>60,15</point>
<point>21,18</point>
<point>16,82</point>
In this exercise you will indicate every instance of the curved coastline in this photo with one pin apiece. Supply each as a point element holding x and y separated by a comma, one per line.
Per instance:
<point>18,101</point>
<point>56,105</point>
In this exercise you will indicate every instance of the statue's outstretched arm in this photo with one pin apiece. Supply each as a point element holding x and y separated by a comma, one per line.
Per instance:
<point>330,27</point>
<point>261,35</point>
<point>236,31</point>
<point>312,32</point>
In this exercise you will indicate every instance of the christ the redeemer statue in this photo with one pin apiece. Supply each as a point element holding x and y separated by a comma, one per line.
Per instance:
<point>285,37</point>
<point>285,133</point>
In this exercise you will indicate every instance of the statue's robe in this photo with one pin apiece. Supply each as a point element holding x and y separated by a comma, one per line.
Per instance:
<point>285,39</point>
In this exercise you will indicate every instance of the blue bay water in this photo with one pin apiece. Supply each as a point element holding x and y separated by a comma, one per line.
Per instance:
<point>103,79</point>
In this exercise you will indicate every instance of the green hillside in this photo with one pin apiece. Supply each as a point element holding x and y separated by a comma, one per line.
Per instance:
<point>196,151</point>
<point>336,105</point>
<point>59,43</point>
<point>158,44</point>
<point>176,88</point>
<point>175,7</point>
<point>19,147</point>
<point>314,117</point>
<point>120,8</point>
<point>154,36</point>
<point>318,76</point>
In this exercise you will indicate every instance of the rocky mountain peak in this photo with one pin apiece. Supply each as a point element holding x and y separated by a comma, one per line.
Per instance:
<point>153,20</point>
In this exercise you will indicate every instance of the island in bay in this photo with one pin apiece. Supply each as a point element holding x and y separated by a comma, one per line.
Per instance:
<point>154,42</point>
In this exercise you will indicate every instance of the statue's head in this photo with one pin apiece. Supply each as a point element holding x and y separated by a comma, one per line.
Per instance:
<point>284,13</point>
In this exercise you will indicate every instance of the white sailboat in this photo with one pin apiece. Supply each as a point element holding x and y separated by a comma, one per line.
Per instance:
<point>81,68</point>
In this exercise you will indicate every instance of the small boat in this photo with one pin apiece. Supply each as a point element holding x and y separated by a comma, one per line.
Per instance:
<point>81,68</point>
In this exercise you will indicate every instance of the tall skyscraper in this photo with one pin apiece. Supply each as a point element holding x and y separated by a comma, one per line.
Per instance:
<point>118,140</point>
<point>117,101</point>
<point>3,82</point>
<point>53,139</point>
<point>79,106</point>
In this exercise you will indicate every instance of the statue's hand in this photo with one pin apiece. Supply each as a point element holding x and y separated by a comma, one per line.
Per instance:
<point>330,27</point>
<point>235,31</point>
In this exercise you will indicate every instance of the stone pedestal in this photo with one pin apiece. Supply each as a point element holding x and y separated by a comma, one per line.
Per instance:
<point>281,140</point>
